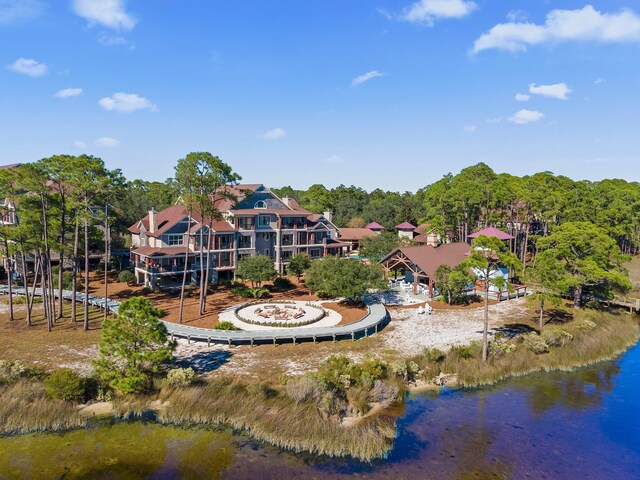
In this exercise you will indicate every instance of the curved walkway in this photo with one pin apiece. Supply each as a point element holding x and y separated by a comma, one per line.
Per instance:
<point>376,319</point>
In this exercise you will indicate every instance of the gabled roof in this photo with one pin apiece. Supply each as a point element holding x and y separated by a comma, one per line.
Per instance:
<point>405,226</point>
<point>374,226</point>
<point>166,219</point>
<point>240,191</point>
<point>492,232</point>
<point>355,233</point>
<point>428,258</point>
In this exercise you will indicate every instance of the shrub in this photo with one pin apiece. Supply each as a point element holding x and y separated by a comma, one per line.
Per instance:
<point>371,370</point>
<point>241,290</point>
<point>260,390</point>
<point>556,337</point>
<point>474,349</point>
<point>65,384</point>
<point>126,276</point>
<point>433,355</point>
<point>304,388</point>
<point>225,326</point>
<point>181,377</point>
<point>406,370</point>
<point>282,283</point>
<point>500,348</point>
<point>536,344</point>
<point>146,291</point>
<point>11,371</point>
<point>586,325</point>
<point>259,292</point>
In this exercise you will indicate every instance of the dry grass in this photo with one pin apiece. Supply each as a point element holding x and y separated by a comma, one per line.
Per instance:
<point>275,418</point>
<point>24,408</point>
<point>614,333</point>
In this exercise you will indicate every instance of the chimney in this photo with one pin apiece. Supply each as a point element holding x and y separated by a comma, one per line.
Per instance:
<point>153,220</point>
<point>328,216</point>
<point>286,201</point>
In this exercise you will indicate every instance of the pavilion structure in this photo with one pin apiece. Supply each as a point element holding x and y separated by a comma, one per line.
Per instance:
<point>492,232</point>
<point>419,264</point>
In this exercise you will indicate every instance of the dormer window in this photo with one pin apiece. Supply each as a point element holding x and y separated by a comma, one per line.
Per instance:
<point>260,204</point>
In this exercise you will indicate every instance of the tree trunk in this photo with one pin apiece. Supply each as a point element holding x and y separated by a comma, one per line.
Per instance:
<point>206,276</point>
<point>86,273</point>
<point>37,267</point>
<point>184,271</point>
<point>202,286</point>
<point>577,297</point>
<point>63,227</point>
<point>106,258</point>
<point>74,273</point>
<point>485,330</point>
<point>6,248</point>
<point>44,292</point>
<point>541,323</point>
<point>26,286</point>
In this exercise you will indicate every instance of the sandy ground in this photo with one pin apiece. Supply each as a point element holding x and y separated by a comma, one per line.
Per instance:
<point>443,329</point>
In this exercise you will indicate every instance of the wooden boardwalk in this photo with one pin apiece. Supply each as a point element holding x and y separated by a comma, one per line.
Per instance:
<point>376,319</point>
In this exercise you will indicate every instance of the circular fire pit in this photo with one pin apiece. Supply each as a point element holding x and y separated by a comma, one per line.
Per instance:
<point>280,314</point>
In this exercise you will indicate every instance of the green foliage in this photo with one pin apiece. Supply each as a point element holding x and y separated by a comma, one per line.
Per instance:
<point>225,326</point>
<point>434,355</point>
<point>256,269</point>
<point>181,377</point>
<point>11,371</point>
<point>133,347</point>
<point>299,264</point>
<point>282,283</point>
<point>407,370</point>
<point>584,256</point>
<point>377,247</point>
<point>65,384</point>
<point>535,343</point>
<point>451,282</point>
<point>351,279</point>
<point>126,276</point>
<point>471,350</point>
<point>243,291</point>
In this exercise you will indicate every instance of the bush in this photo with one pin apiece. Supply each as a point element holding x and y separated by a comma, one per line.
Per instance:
<point>146,291</point>
<point>282,283</point>
<point>536,344</point>
<point>586,325</point>
<point>405,370</point>
<point>11,371</point>
<point>259,292</point>
<point>500,348</point>
<point>181,377</point>
<point>474,349</point>
<point>358,398</point>
<point>241,290</point>
<point>65,384</point>
<point>225,326</point>
<point>556,337</point>
<point>433,355</point>
<point>126,276</point>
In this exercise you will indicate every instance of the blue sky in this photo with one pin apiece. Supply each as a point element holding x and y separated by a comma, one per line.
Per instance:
<point>376,93</point>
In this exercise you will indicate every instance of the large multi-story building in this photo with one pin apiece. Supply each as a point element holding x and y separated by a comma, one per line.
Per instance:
<point>255,222</point>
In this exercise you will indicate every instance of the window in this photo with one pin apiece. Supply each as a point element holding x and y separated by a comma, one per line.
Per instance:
<point>260,204</point>
<point>244,241</point>
<point>264,220</point>
<point>315,252</point>
<point>174,240</point>
<point>143,241</point>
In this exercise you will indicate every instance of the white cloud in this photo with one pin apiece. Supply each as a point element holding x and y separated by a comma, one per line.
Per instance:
<point>108,142</point>
<point>517,16</point>
<point>523,117</point>
<point>80,145</point>
<point>68,92</point>
<point>557,90</point>
<point>112,41</point>
<point>427,12</point>
<point>108,13</point>
<point>126,103</point>
<point>470,128</point>
<point>274,134</point>
<point>494,120</point>
<point>522,97</point>
<point>586,24</point>
<point>334,159</point>
<point>15,10</point>
<point>28,66</point>
<point>600,80</point>
<point>366,77</point>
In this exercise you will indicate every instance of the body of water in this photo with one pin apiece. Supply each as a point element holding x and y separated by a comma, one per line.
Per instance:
<point>583,424</point>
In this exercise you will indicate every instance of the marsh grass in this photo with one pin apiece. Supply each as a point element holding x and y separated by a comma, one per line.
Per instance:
<point>613,334</point>
<point>25,408</point>
<point>274,417</point>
